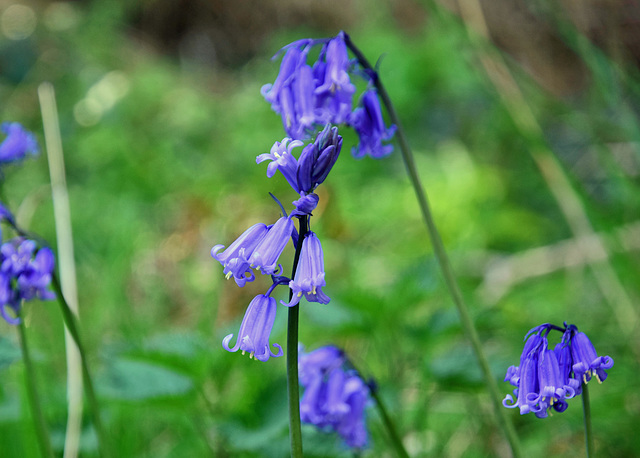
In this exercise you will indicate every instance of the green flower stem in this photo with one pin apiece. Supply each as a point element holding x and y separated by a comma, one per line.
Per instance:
<point>70,322</point>
<point>386,419</point>
<point>441,256</point>
<point>34,400</point>
<point>388,423</point>
<point>293,389</point>
<point>586,408</point>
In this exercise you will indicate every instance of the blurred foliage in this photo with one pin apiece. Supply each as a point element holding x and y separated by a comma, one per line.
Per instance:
<point>160,154</point>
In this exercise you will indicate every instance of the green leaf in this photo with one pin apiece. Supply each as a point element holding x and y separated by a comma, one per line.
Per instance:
<point>129,380</point>
<point>9,352</point>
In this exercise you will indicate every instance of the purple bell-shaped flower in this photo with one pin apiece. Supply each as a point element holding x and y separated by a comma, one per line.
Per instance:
<point>255,330</point>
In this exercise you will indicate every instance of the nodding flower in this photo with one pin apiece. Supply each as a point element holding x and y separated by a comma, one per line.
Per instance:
<point>547,378</point>
<point>586,362</point>
<point>265,255</point>
<point>255,330</point>
<point>235,258</point>
<point>311,95</point>
<point>309,278</point>
<point>368,123</point>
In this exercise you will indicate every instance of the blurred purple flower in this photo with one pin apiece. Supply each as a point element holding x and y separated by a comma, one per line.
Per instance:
<point>334,398</point>
<point>18,144</point>
<point>25,274</point>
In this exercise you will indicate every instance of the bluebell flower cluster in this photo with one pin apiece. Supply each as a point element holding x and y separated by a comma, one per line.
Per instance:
<point>18,143</point>
<point>335,395</point>
<point>25,272</point>
<point>546,378</point>
<point>260,247</point>
<point>308,95</point>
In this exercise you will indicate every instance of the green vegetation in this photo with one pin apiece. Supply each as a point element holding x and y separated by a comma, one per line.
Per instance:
<point>160,162</point>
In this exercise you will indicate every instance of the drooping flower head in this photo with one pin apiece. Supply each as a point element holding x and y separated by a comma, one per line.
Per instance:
<point>367,121</point>
<point>525,376</point>
<point>309,277</point>
<point>307,96</point>
<point>25,274</point>
<point>334,90</point>
<point>235,258</point>
<point>266,253</point>
<point>585,361</point>
<point>552,391</point>
<point>18,144</point>
<point>547,378</point>
<point>335,395</point>
<point>255,330</point>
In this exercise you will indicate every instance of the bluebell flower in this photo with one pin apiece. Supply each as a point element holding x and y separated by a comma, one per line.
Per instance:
<point>547,378</point>
<point>318,158</point>
<point>255,330</point>
<point>309,276</point>
<point>18,144</point>
<point>282,160</point>
<point>34,281</point>
<point>266,253</point>
<point>565,363</point>
<point>293,58</point>
<point>25,274</point>
<point>552,390</point>
<point>525,376</point>
<point>586,362</point>
<point>367,121</point>
<point>16,255</point>
<point>334,89</point>
<point>309,96</point>
<point>335,397</point>
<point>235,258</point>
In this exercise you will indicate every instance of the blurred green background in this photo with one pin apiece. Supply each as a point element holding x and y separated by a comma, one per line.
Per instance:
<point>161,120</point>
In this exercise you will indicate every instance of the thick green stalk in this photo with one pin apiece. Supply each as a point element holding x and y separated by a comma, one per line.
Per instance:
<point>42,432</point>
<point>586,408</point>
<point>293,389</point>
<point>441,256</point>
<point>70,322</point>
